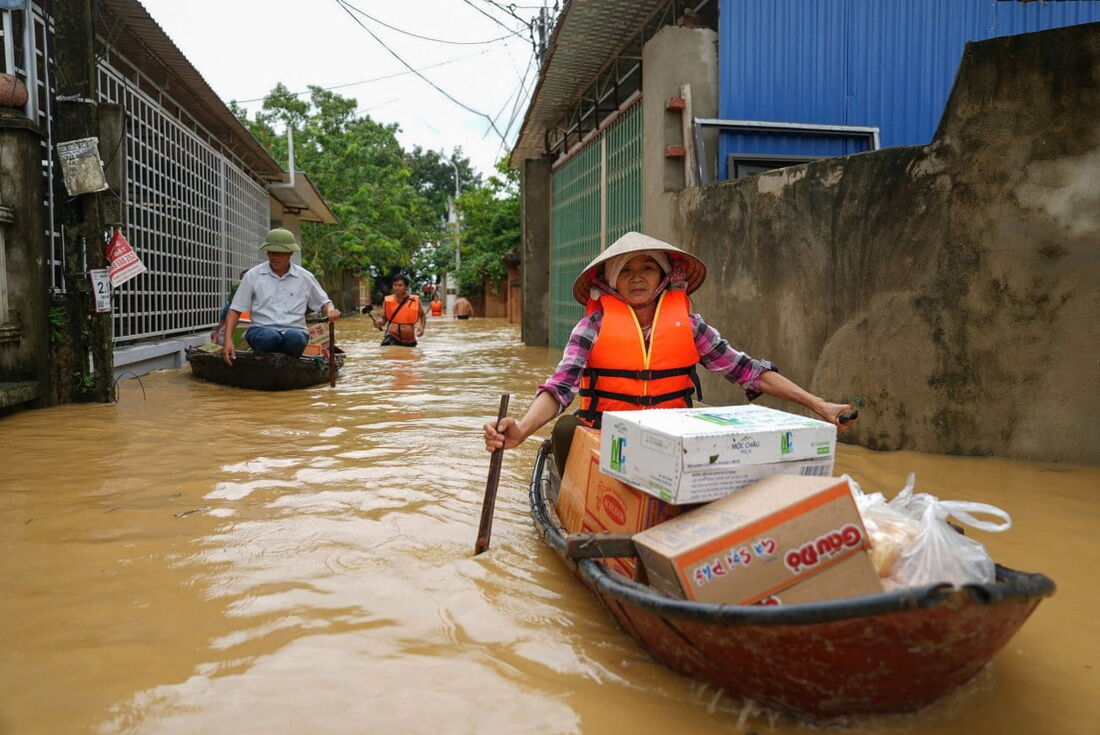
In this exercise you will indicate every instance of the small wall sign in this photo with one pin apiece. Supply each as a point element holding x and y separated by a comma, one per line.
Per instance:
<point>125,263</point>
<point>81,167</point>
<point>101,289</point>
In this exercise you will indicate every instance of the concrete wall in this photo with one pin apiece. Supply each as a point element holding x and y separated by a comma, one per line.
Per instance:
<point>674,57</point>
<point>494,301</point>
<point>535,252</point>
<point>952,290</point>
<point>25,333</point>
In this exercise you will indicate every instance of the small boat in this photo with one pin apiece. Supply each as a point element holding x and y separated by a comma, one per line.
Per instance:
<point>262,371</point>
<point>823,661</point>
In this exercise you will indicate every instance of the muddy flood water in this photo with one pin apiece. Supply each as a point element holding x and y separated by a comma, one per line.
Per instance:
<point>202,559</point>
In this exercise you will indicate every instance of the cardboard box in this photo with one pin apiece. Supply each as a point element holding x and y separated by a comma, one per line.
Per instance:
<point>318,333</point>
<point>843,579</point>
<point>691,455</point>
<point>761,541</point>
<point>590,501</point>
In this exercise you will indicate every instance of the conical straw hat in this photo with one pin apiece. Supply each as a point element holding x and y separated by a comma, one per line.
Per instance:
<point>634,242</point>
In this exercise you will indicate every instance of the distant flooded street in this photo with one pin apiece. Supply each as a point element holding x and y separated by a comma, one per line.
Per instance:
<point>202,559</point>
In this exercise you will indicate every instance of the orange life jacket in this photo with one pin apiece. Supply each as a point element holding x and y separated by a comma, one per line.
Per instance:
<point>409,313</point>
<point>623,375</point>
<point>437,308</point>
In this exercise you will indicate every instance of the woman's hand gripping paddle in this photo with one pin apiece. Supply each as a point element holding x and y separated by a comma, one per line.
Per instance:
<point>486,527</point>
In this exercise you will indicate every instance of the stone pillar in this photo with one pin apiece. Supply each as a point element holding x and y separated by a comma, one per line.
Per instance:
<point>25,280</point>
<point>83,354</point>
<point>672,58</point>
<point>535,209</point>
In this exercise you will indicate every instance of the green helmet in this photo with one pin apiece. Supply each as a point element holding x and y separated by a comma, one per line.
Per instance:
<point>280,240</point>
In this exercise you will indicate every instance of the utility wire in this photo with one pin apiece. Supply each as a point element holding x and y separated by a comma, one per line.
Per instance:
<point>520,99</point>
<point>425,38</point>
<point>521,86</point>
<point>362,110</point>
<point>378,79</point>
<point>493,18</point>
<point>343,4</point>
<point>510,10</point>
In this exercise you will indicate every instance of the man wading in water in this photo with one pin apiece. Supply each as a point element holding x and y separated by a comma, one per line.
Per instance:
<point>463,308</point>
<point>403,317</point>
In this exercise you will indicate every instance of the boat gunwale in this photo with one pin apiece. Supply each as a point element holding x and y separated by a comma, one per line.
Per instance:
<point>1012,585</point>
<point>302,372</point>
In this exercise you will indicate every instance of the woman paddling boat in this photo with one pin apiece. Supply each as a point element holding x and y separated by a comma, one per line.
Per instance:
<point>637,347</point>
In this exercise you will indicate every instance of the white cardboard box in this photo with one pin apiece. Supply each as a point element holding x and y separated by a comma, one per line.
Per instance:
<point>692,455</point>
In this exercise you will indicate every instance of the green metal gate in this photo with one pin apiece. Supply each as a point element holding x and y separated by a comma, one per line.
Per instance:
<point>596,196</point>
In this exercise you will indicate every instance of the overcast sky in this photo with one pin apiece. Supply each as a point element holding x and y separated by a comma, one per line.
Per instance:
<point>244,47</point>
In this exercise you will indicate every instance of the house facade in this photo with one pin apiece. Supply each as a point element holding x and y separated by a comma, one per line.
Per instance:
<point>189,188</point>
<point>896,238</point>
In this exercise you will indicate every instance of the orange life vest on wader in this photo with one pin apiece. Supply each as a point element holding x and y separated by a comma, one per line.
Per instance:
<point>401,313</point>
<point>409,313</point>
<point>623,375</point>
<point>437,308</point>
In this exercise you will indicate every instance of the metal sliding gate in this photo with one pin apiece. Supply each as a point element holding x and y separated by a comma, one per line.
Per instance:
<point>596,196</point>
<point>194,217</point>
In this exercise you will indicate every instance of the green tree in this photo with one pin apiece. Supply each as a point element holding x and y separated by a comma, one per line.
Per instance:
<point>363,174</point>
<point>490,228</point>
<point>433,175</point>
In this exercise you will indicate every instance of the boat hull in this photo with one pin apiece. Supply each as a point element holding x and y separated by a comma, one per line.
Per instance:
<point>827,661</point>
<point>262,371</point>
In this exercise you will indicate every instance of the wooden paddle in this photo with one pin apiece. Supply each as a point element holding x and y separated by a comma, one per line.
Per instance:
<point>490,501</point>
<point>332,354</point>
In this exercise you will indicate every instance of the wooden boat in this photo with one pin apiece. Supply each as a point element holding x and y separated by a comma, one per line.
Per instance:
<point>262,371</point>
<point>825,661</point>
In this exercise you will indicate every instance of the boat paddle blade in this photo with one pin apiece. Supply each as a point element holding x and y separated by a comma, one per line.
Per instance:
<point>486,527</point>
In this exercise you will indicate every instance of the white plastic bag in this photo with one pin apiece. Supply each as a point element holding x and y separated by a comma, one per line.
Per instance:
<point>940,553</point>
<point>912,543</point>
<point>889,530</point>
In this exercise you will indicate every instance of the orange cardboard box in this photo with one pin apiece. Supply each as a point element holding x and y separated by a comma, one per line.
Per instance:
<point>318,334</point>
<point>590,501</point>
<point>850,577</point>
<point>769,537</point>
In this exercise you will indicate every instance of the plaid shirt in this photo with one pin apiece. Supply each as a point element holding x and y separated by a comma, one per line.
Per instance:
<point>715,354</point>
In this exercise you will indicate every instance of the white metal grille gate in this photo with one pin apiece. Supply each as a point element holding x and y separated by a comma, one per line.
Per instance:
<point>195,218</point>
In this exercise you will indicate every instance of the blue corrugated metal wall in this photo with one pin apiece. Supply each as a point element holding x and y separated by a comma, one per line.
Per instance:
<point>886,63</point>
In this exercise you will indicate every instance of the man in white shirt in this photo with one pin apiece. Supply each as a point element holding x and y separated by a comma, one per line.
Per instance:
<point>277,293</point>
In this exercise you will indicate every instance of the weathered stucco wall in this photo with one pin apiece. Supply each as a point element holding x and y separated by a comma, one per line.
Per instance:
<point>535,252</point>
<point>24,334</point>
<point>952,289</point>
<point>673,58</point>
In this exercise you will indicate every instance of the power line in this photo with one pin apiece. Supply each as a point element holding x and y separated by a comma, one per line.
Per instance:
<point>425,38</point>
<point>493,18</point>
<point>346,6</point>
<point>378,79</point>
<point>361,110</point>
<point>520,98</point>
<point>510,10</point>
<point>520,87</point>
